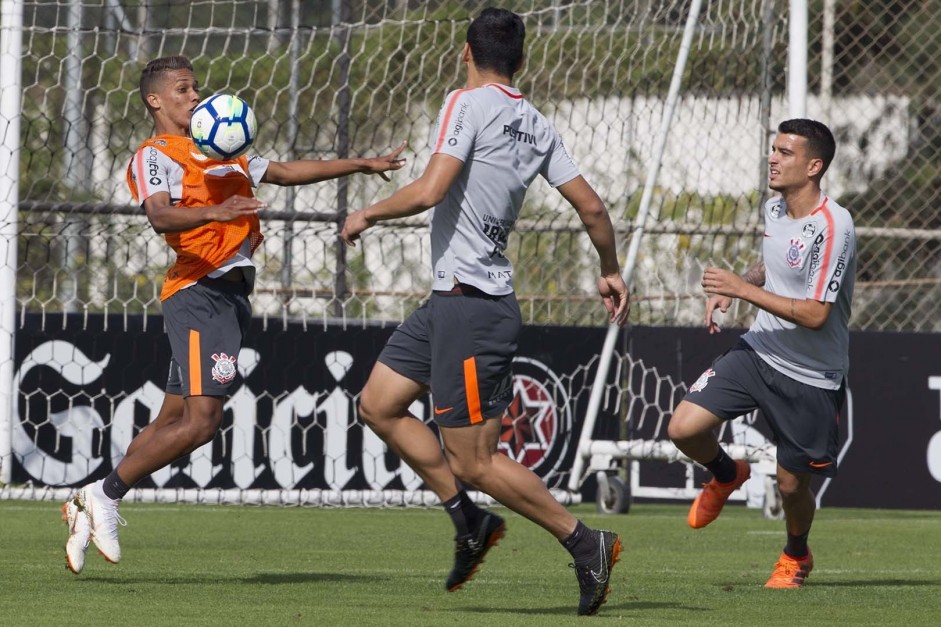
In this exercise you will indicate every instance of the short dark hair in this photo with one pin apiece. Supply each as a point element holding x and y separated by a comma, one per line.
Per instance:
<point>496,39</point>
<point>820,142</point>
<point>157,69</point>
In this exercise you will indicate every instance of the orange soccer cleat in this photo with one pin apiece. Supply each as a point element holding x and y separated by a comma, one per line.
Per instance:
<point>711,500</point>
<point>790,572</point>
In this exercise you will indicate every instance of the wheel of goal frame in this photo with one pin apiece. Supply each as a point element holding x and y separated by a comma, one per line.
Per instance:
<point>771,506</point>
<point>614,495</point>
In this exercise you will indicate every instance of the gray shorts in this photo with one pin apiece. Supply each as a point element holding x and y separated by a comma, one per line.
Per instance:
<point>461,345</point>
<point>205,324</point>
<point>804,419</point>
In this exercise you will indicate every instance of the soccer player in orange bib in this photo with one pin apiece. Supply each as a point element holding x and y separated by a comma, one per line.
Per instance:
<point>208,214</point>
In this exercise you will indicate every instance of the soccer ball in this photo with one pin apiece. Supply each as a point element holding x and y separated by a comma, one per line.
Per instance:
<point>223,127</point>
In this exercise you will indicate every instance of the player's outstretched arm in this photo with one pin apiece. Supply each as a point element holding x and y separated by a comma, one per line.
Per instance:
<point>419,195</point>
<point>306,171</point>
<point>615,295</point>
<point>166,217</point>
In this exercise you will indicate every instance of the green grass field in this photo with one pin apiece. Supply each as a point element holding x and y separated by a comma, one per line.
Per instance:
<point>202,565</point>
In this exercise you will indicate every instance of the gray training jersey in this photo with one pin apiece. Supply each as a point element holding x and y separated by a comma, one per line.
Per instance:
<point>504,143</point>
<point>811,258</point>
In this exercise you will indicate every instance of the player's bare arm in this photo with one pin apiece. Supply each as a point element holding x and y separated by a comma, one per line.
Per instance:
<point>165,217</point>
<point>805,312</point>
<point>308,171</point>
<point>756,274</point>
<point>593,213</point>
<point>420,195</point>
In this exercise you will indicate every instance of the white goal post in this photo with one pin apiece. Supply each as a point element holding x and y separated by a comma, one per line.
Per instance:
<point>665,105</point>
<point>352,78</point>
<point>11,19</point>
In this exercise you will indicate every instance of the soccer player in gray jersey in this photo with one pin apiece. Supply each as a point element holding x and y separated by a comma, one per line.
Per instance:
<point>489,145</point>
<point>792,362</point>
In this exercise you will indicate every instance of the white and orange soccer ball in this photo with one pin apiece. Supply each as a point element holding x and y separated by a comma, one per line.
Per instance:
<point>223,127</point>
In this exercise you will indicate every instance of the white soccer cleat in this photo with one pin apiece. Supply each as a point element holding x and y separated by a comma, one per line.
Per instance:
<point>79,535</point>
<point>104,519</point>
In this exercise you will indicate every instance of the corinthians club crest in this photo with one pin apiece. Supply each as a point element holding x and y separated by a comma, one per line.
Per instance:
<point>224,369</point>
<point>794,250</point>
<point>538,422</point>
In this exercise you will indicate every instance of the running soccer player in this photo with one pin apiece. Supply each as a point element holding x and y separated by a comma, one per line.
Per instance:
<point>792,363</point>
<point>489,145</point>
<point>209,215</point>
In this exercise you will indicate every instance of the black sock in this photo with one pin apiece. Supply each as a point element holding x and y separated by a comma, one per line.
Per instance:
<point>114,487</point>
<point>472,513</point>
<point>796,546</point>
<point>581,544</point>
<point>464,513</point>
<point>723,467</point>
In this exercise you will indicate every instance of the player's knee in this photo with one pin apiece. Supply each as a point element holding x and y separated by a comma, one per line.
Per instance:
<point>469,470</point>
<point>369,412</point>
<point>690,423</point>
<point>202,423</point>
<point>678,430</point>
<point>378,413</point>
<point>791,487</point>
<point>465,473</point>
<point>203,432</point>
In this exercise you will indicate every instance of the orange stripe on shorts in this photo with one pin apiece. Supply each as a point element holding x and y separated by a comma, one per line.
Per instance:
<point>471,391</point>
<point>195,365</point>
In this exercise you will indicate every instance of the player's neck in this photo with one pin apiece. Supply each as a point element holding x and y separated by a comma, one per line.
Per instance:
<point>477,78</point>
<point>801,202</point>
<point>163,127</point>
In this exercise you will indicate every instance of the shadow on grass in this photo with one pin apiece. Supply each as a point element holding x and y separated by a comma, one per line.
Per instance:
<point>840,583</point>
<point>872,583</point>
<point>274,579</point>
<point>280,578</point>
<point>569,610</point>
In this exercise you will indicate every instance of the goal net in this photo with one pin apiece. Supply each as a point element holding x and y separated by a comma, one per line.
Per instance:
<point>343,79</point>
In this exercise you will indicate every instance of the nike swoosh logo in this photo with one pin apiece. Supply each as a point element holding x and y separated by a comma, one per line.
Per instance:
<point>442,410</point>
<point>602,572</point>
<point>819,464</point>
